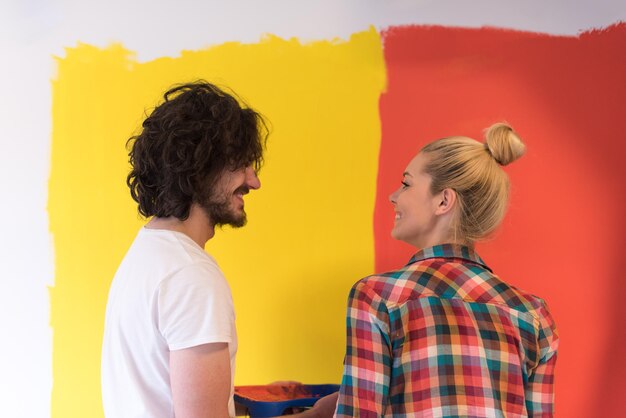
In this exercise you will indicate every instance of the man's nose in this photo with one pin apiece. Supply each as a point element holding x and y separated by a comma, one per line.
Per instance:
<point>252,180</point>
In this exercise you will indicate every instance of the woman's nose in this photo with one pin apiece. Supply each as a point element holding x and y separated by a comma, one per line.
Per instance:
<point>393,197</point>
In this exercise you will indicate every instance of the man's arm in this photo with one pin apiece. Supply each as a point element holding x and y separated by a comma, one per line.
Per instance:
<point>200,380</point>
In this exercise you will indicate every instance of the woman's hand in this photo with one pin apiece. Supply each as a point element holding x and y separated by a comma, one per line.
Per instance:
<point>324,408</point>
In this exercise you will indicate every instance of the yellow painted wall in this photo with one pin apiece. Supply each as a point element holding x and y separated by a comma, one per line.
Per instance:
<point>309,235</point>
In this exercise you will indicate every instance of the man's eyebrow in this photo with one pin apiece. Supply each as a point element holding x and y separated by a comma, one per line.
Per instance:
<point>406,173</point>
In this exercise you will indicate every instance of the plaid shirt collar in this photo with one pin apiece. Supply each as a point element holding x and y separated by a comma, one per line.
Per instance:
<point>448,251</point>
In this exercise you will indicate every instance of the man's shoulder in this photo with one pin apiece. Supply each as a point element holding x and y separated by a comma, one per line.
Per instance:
<point>157,255</point>
<point>162,245</point>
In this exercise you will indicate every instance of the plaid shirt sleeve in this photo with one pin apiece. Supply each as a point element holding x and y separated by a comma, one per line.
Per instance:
<point>540,387</point>
<point>367,366</point>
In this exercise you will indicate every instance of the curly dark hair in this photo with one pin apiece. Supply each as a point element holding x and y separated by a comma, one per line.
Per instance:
<point>197,133</point>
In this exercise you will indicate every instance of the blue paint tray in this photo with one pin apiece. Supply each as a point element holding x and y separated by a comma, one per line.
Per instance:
<point>273,400</point>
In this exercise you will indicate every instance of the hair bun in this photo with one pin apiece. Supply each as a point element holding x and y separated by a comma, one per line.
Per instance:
<point>504,145</point>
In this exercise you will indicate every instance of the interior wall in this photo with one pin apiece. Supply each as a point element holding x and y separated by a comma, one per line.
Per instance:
<point>77,76</point>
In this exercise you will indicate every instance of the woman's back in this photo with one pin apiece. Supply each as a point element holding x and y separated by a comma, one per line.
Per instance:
<point>443,337</point>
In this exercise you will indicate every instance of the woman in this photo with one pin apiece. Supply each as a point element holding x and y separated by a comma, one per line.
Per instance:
<point>444,336</point>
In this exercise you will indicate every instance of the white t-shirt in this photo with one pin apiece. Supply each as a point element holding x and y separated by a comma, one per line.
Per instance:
<point>168,294</point>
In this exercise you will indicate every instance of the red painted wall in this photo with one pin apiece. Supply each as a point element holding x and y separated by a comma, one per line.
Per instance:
<point>564,236</point>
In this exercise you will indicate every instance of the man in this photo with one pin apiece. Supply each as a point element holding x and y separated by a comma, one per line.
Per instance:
<point>170,339</point>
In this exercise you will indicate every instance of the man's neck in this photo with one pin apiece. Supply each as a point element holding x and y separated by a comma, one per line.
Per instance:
<point>197,226</point>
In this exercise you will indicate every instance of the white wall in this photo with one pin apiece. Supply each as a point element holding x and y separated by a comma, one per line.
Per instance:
<point>33,31</point>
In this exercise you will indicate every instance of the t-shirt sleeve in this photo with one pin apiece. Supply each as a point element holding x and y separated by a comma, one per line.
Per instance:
<point>195,307</point>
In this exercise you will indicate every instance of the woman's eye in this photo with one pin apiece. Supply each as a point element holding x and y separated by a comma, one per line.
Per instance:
<point>404,184</point>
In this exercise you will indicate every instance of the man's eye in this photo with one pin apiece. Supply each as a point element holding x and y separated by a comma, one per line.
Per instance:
<point>404,184</point>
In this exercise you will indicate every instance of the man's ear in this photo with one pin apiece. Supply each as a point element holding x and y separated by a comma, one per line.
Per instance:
<point>447,201</point>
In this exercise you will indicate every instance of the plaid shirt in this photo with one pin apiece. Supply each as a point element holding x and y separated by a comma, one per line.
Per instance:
<point>445,337</point>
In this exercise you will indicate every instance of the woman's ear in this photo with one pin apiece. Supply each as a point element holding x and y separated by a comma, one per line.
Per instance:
<point>447,201</point>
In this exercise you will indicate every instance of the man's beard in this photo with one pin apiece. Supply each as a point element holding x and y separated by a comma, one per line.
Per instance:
<point>219,209</point>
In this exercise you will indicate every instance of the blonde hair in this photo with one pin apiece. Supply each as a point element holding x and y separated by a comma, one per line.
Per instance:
<point>472,169</point>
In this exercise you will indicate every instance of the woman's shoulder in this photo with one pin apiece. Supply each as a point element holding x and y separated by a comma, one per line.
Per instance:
<point>446,279</point>
<point>394,286</point>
